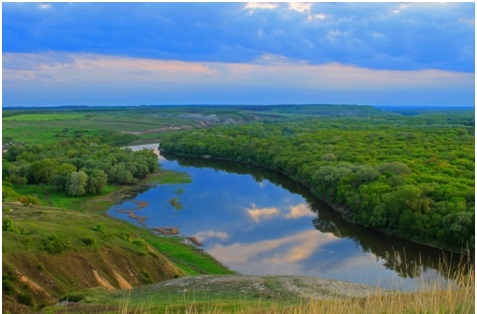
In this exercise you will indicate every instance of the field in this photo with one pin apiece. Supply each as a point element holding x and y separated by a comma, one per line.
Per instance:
<point>147,123</point>
<point>23,126</point>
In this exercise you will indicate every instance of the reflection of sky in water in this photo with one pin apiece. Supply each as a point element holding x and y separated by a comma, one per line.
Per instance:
<point>257,228</point>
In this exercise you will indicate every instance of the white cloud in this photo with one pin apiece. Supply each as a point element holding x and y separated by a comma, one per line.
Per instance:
<point>300,6</point>
<point>283,253</point>
<point>209,234</point>
<point>258,214</point>
<point>269,70</point>
<point>24,72</point>
<point>312,17</point>
<point>401,7</point>
<point>298,211</point>
<point>260,5</point>
<point>44,6</point>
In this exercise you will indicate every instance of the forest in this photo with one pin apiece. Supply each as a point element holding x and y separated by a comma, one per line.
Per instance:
<point>409,176</point>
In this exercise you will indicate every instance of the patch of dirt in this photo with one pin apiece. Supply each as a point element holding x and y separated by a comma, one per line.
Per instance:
<point>166,231</point>
<point>132,215</point>
<point>140,204</point>
<point>35,288</point>
<point>123,284</point>
<point>195,241</point>
<point>101,281</point>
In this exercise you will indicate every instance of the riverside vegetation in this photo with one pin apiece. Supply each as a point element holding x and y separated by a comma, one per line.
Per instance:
<point>412,176</point>
<point>408,176</point>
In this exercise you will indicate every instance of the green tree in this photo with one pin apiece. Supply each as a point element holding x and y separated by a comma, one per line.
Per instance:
<point>97,181</point>
<point>76,185</point>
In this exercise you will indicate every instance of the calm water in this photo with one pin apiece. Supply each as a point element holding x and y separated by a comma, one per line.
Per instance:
<point>259,222</point>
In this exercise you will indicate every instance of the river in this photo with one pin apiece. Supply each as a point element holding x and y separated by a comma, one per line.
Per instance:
<point>259,222</point>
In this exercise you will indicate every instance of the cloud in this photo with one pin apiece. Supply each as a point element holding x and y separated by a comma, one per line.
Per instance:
<point>298,211</point>
<point>276,256</point>
<point>300,6</point>
<point>210,234</point>
<point>260,5</point>
<point>257,214</point>
<point>271,79</point>
<point>44,6</point>
<point>414,36</point>
<point>401,8</point>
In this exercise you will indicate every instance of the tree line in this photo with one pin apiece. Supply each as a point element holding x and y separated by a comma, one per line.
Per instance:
<point>408,176</point>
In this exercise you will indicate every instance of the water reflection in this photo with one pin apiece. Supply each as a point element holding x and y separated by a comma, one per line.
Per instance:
<point>259,222</point>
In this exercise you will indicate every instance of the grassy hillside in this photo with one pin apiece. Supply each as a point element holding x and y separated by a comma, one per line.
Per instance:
<point>49,252</point>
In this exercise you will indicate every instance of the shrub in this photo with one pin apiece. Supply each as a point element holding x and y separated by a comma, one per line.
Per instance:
<point>53,245</point>
<point>7,225</point>
<point>139,242</point>
<point>89,241</point>
<point>29,200</point>
<point>99,228</point>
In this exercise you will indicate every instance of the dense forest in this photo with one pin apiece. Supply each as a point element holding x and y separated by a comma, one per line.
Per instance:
<point>76,166</point>
<point>410,176</point>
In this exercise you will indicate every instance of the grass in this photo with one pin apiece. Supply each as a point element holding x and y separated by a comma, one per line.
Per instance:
<point>45,117</point>
<point>53,125</point>
<point>55,237</point>
<point>170,177</point>
<point>435,298</point>
<point>25,126</point>
<point>50,197</point>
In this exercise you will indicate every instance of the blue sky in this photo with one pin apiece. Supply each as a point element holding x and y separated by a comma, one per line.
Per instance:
<point>238,53</point>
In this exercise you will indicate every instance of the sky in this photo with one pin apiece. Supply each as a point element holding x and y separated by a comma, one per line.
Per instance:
<point>380,54</point>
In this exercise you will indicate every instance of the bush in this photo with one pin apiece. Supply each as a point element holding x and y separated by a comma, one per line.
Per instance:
<point>89,241</point>
<point>139,242</point>
<point>29,200</point>
<point>7,225</point>
<point>53,245</point>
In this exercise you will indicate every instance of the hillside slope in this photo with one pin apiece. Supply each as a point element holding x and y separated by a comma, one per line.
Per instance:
<point>49,252</point>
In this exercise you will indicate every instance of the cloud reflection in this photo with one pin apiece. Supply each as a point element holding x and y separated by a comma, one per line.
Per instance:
<point>209,234</point>
<point>300,210</point>
<point>258,214</point>
<point>294,212</point>
<point>282,255</point>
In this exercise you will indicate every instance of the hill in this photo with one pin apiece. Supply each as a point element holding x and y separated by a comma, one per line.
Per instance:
<point>49,252</point>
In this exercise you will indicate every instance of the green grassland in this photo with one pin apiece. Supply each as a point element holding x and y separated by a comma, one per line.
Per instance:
<point>49,125</point>
<point>45,117</point>
<point>41,129</point>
